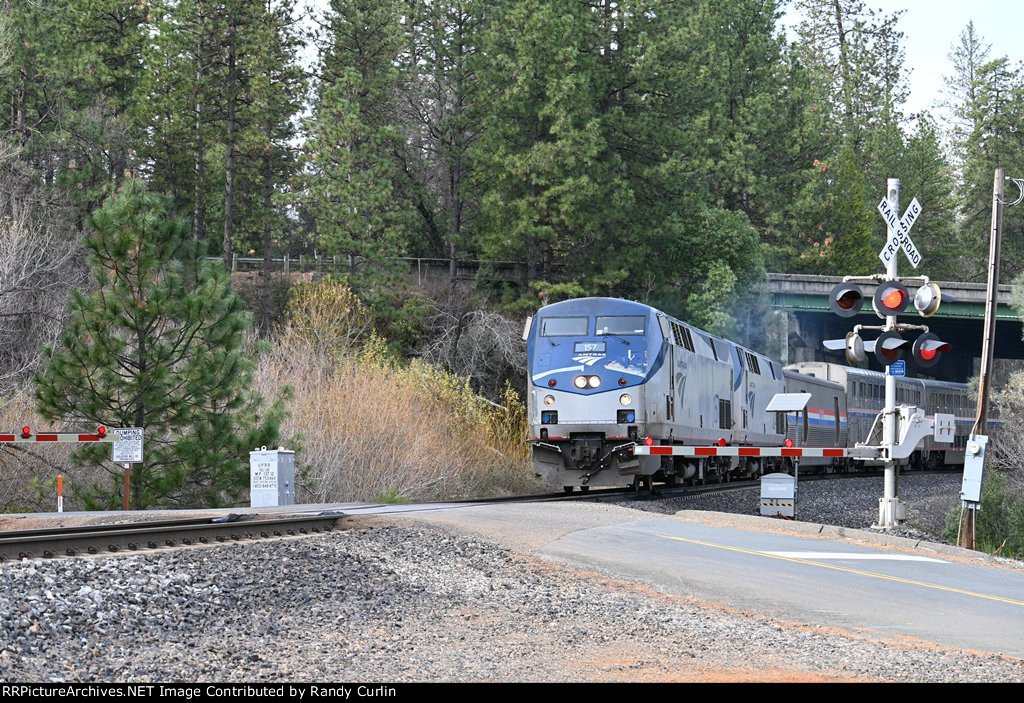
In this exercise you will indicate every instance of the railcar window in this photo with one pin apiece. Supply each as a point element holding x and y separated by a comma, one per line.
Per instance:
<point>622,324</point>
<point>563,326</point>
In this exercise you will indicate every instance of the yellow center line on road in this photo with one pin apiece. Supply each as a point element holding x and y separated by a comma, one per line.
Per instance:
<point>849,570</point>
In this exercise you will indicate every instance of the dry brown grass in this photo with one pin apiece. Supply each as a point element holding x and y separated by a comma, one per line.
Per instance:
<point>370,428</point>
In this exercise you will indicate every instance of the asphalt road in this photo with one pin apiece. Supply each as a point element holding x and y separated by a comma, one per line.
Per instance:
<point>942,595</point>
<point>814,581</point>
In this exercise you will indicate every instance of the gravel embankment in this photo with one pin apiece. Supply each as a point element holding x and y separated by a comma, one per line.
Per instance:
<point>399,603</point>
<point>847,502</point>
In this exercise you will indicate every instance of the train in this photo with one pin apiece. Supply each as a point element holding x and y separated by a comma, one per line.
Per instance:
<point>605,374</point>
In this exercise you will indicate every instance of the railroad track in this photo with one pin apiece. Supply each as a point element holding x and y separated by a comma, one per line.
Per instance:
<point>136,537</point>
<point>95,539</point>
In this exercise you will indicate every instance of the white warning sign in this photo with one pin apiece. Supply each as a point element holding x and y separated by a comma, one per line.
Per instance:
<point>263,474</point>
<point>127,445</point>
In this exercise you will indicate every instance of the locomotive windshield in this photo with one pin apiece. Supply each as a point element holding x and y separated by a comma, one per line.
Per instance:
<point>563,326</point>
<point>621,324</point>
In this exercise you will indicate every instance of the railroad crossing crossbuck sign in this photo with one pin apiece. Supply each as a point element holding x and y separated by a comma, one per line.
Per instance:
<point>900,238</point>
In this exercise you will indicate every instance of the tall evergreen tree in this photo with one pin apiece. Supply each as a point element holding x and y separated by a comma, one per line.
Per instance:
<point>987,100</point>
<point>158,346</point>
<point>353,187</point>
<point>277,86</point>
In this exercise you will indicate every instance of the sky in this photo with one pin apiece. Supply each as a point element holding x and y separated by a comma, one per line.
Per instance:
<point>932,27</point>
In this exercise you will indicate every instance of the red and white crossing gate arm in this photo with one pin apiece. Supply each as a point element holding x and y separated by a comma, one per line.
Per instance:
<point>101,435</point>
<point>797,452</point>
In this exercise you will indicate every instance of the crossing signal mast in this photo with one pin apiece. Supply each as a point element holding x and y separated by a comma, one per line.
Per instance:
<point>901,426</point>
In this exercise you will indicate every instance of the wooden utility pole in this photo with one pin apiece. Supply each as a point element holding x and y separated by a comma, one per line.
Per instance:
<point>969,511</point>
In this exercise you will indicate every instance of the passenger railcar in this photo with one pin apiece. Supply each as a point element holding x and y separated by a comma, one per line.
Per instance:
<point>606,373</point>
<point>865,392</point>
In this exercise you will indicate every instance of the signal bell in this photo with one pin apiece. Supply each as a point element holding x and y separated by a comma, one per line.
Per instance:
<point>845,299</point>
<point>891,298</point>
<point>928,348</point>
<point>927,299</point>
<point>889,347</point>
<point>854,349</point>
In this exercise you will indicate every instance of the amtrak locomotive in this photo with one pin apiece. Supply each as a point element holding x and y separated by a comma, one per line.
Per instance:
<point>605,374</point>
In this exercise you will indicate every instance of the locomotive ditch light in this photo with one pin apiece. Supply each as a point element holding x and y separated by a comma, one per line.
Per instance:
<point>891,298</point>
<point>927,300</point>
<point>928,349</point>
<point>845,299</point>
<point>889,347</point>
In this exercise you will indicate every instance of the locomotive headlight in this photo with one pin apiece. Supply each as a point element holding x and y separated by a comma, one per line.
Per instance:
<point>626,399</point>
<point>594,381</point>
<point>549,400</point>
<point>580,381</point>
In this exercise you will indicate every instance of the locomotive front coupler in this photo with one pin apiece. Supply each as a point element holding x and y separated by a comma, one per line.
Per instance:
<point>603,462</point>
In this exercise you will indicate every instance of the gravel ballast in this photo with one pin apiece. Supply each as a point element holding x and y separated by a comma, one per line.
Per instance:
<point>400,603</point>
<point>846,502</point>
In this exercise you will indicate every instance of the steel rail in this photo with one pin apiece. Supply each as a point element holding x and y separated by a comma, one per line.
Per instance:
<point>73,541</point>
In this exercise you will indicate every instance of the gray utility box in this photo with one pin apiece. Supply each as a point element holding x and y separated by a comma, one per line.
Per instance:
<point>271,477</point>
<point>778,495</point>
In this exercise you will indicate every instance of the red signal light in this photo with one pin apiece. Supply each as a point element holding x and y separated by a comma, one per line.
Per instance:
<point>788,443</point>
<point>928,349</point>
<point>26,432</point>
<point>893,298</point>
<point>847,300</point>
<point>721,441</point>
<point>101,431</point>
<point>649,441</point>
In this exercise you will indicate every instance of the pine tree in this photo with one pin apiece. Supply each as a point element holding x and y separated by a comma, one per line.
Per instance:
<point>353,194</point>
<point>158,346</point>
